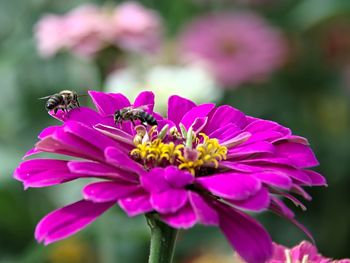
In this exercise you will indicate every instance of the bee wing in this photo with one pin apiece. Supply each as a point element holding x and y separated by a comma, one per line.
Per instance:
<point>145,107</point>
<point>44,98</point>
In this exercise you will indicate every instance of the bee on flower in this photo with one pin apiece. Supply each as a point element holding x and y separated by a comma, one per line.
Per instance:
<point>201,164</point>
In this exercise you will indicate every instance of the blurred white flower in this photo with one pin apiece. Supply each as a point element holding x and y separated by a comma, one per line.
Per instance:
<point>191,81</point>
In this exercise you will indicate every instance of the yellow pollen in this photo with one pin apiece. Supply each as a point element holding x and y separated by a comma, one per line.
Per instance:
<point>207,153</point>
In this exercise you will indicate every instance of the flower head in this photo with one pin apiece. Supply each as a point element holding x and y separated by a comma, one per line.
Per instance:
<point>237,48</point>
<point>201,164</point>
<point>304,252</point>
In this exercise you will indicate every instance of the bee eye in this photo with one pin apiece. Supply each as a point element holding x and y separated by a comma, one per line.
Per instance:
<point>50,106</point>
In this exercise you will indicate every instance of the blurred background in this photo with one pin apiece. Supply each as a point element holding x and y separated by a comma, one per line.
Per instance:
<point>284,60</point>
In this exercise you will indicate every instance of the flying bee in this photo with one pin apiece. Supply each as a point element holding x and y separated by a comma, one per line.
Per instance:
<point>64,100</point>
<point>132,114</point>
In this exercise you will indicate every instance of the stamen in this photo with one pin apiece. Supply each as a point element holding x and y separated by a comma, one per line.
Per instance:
<point>191,155</point>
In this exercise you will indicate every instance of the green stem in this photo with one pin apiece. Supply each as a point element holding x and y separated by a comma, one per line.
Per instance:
<point>163,238</point>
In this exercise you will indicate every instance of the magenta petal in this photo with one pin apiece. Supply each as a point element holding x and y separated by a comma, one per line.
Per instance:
<point>199,124</point>
<point>247,237</point>
<point>169,201</point>
<point>234,186</point>
<point>259,125</point>
<point>183,218</point>
<point>274,179</point>
<point>90,135</point>
<point>43,172</point>
<point>196,112</point>
<point>48,131</point>
<point>225,132</point>
<point>136,203</point>
<point>108,103</point>
<point>154,181</point>
<point>145,98</point>
<point>31,152</point>
<point>68,220</point>
<point>63,142</point>
<point>107,191</point>
<point>204,212</point>
<point>177,108</point>
<point>301,155</point>
<point>257,203</point>
<point>316,178</point>
<point>279,207</point>
<point>178,178</point>
<point>83,114</point>
<point>121,160</point>
<point>252,148</point>
<point>224,115</point>
<point>124,139</point>
<point>96,169</point>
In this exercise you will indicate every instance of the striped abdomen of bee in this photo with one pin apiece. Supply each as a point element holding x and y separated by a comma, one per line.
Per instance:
<point>147,118</point>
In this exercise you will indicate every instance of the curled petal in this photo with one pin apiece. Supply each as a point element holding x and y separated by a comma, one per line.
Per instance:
<point>223,115</point>
<point>96,169</point>
<point>169,201</point>
<point>43,173</point>
<point>178,178</point>
<point>274,179</point>
<point>301,155</point>
<point>233,186</point>
<point>83,114</point>
<point>316,178</point>
<point>101,192</point>
<point>116,134</point>
<point>257,203</point>
<point>122,161</point>
<point>68,220</point>
<point>247,237</point>
<point>108,103</point>
<point>252,148</point>
<point>183,218</point>
<point>177,107</point>
<point>196,112</point>
<point>145,98</point>
<point>205,213</point>
<point>136,203</point>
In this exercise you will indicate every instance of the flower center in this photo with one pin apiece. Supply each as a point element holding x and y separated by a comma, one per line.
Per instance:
<point>186,150</point>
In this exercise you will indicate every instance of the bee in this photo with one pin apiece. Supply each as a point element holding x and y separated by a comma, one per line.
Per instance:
<point>64,100</point>
<point>132,114</point>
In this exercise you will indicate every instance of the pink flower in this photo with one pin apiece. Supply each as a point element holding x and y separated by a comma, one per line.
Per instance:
<point>136,27</point>
<point>89,29</point>
<point>305,252</point>
<point>201,164</point>
<point>237,48</point>
<point>48,32</point>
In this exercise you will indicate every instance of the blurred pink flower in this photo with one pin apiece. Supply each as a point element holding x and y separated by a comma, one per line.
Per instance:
<point>237,47</point>
<point>305,252</point>
<point>88,29</point>
<point>48,32</point>
<point>136,27</point>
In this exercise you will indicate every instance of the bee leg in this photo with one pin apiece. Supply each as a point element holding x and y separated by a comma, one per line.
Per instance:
<point>55,110</point>
<point>133,123</point>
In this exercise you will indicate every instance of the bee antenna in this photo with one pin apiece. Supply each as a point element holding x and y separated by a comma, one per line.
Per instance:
<point>44,98</point>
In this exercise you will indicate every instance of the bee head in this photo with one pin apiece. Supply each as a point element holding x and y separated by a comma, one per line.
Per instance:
<point>49,106</point>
